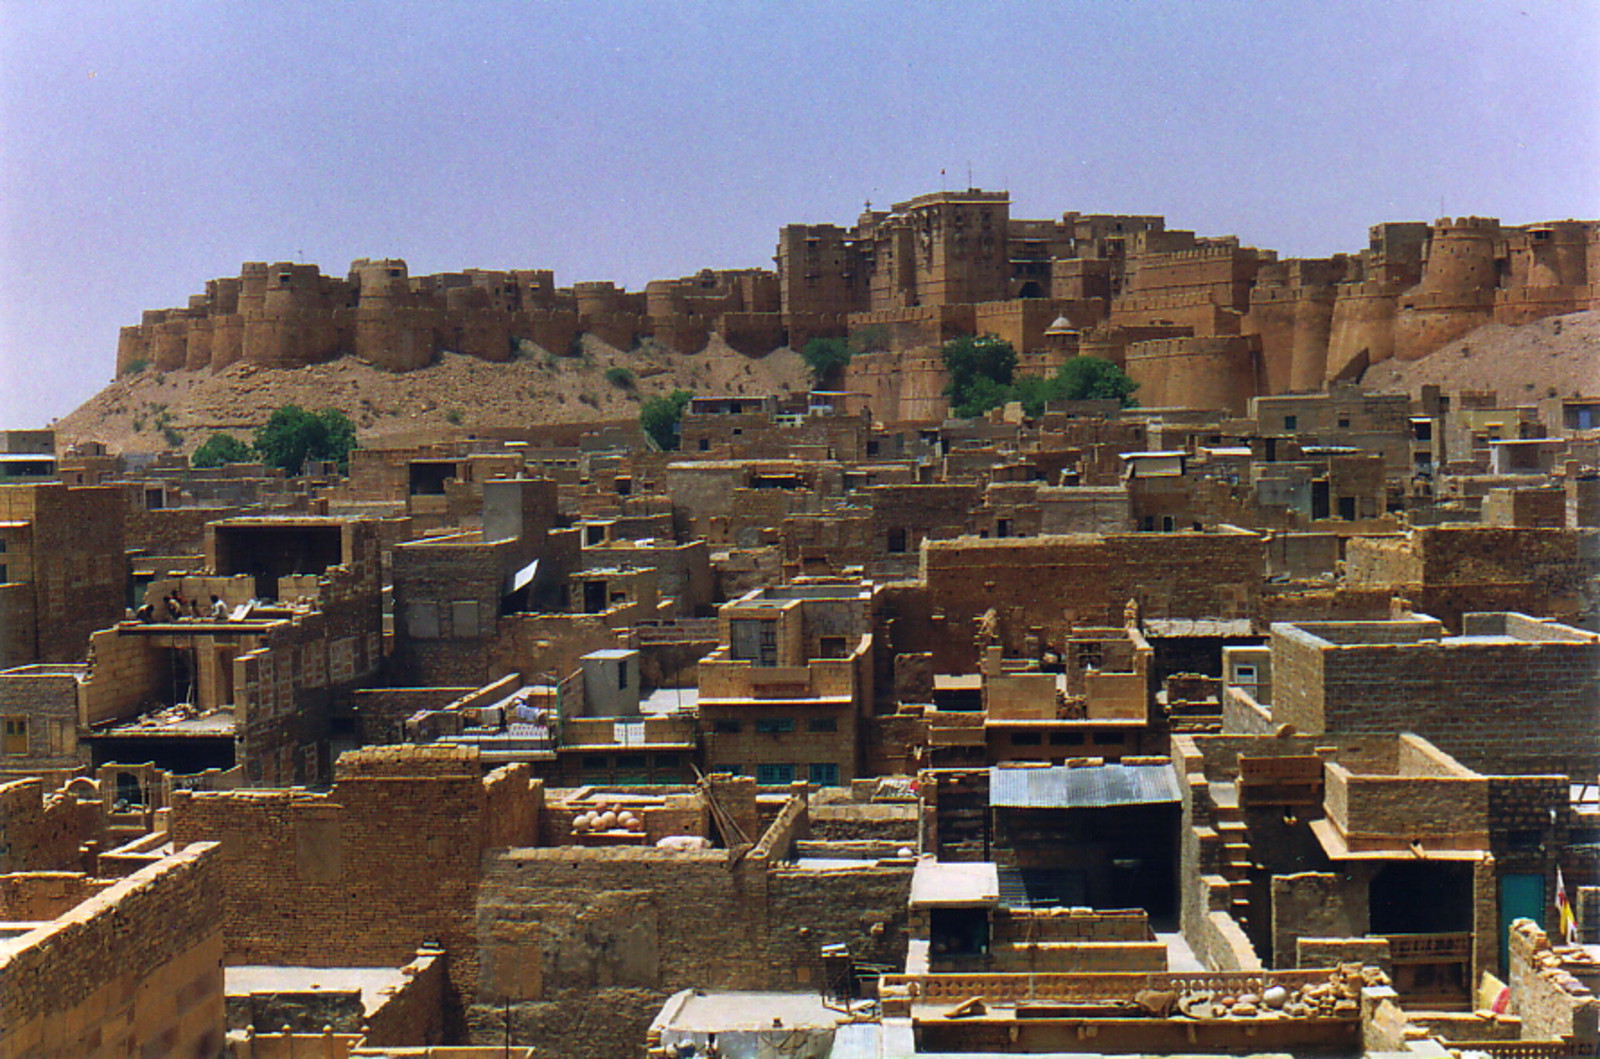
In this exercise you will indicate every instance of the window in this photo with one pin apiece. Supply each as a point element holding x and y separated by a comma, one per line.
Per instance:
<point>705,444</point>
<point>754,640</point>
<point>1066,738</point>
<point>822,724</point>
<point>772,775</point>
<point>1245,675</point>
<point>775,725</point>
<point>1108,739</point>
<point>824,774</point>
<point>622,675</point>
<point>1344,424</point>
<point>1026,739</point>
<point>630,761</point>
<point>897,540</point>
<point>1291,422</point>
<point>666,761</point>
<point>594,761</point>
<point>831,647</point>
<point>14,739</point>
<point>727,727</point>
<point>1090,656</point>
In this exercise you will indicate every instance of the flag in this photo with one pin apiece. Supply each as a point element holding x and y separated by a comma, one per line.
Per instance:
<point>1568,922</point>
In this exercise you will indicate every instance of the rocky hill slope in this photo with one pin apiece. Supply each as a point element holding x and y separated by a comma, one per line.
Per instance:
<point>1558,356</point>
<point>177,410</point>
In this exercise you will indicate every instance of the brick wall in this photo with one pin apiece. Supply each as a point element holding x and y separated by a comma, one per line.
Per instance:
<point>1047,583</point>
<point>1447,571</point>
<point>1549,1000</point>
<point>73,557</point>
<point>1497,705</point>
<point>48,698</point>
<point>42,831</point>
<point>414,1014</point>
<point>133,970</point>
<point>364,874</point>
<point>585,944</point>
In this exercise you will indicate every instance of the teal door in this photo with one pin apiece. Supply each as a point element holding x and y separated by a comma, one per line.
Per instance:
<point>1521,897</point>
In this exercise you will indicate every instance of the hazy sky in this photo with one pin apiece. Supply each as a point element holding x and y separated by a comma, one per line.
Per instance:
<point>148,147</point>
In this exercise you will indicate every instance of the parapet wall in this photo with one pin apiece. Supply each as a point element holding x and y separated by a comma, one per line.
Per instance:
<point>133,970</point>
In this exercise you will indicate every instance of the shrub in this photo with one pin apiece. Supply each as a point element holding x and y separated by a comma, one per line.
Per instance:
<point>621,378</point>
<point>826,357</point>
<point>218,450</point>
<point>134,367</point>
<point>292,435</point>
<point>661,417</point>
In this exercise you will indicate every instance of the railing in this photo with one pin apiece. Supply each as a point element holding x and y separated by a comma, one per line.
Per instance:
<point>1429,948</point>
<point>1012,988</point>
<point>1558,1049</point>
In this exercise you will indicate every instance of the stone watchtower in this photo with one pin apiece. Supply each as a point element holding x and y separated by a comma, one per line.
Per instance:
<point>392,331</point>
<point>1461,256</point>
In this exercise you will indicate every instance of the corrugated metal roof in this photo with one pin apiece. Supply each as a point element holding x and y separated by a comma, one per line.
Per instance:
<point>1083,787</point>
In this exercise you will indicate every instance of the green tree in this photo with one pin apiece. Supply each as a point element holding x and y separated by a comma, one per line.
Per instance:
<point>220,449</point>
<point>981,369</point>
<point>1090,378</point>
<point>291,436</point>
<point>660,418</point>
<point>826,357</point>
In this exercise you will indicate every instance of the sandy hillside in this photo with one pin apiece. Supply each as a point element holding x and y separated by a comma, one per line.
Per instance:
<point>154,410</point>
<point>1558,356</point>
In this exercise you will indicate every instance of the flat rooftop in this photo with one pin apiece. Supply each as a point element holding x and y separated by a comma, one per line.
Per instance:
<point>375,984</point>
<point>954,884</point>
<point>695,1012</point>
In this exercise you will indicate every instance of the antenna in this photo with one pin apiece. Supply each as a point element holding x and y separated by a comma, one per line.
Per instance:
<point>969,174</point>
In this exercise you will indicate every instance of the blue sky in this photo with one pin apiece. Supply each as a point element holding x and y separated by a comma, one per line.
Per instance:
<point>146,148</point>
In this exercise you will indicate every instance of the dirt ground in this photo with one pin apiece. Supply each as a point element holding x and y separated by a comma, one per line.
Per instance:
<point>178,410</point>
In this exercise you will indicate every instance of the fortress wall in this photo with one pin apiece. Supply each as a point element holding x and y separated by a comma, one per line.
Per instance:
<point>753,334</point>
<point>227,340</point>
<point>1427,321</point>
<point>133,344</point>
<point>1200,311</point>
<point>1207,372</point>
<point>1521,305</point>
<point>923,325</point>
<point>616,329</point>
<point>1362,329</point>
<point>1272,320</point>
<point>394,340</point>
<point>197,348</point>
<point>681,334</point>
<point>1021,321</point>
<point>900,387</point>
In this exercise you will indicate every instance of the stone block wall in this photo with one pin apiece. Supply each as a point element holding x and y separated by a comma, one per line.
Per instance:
<point>134,970</point>
<point>384,862</point>
<point>1550,1001</point>
<point>42,831</point>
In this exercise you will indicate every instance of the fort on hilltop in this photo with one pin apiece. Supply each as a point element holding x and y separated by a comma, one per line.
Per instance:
<point>1197,321</point>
